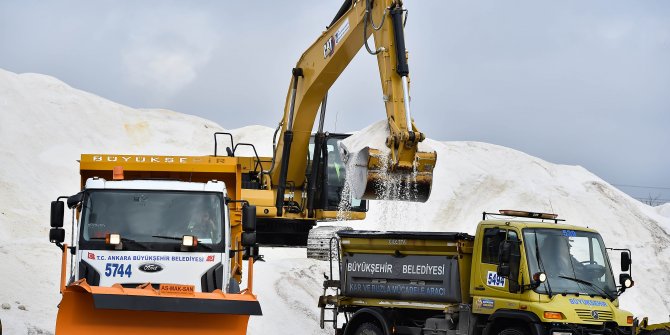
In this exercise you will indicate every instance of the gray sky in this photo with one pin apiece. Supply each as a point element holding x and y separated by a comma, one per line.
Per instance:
<point>573,82</point>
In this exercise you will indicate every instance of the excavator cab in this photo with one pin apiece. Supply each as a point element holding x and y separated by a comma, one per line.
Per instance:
<point>331,187</point>
<point>326,196</point>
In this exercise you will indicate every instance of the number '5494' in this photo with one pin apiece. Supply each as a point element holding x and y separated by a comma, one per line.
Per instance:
<point>120,270</point>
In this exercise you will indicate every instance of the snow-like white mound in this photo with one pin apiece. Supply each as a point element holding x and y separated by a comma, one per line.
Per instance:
<point>664,209</point>
<point>374,136</point>
<point>45,125</point>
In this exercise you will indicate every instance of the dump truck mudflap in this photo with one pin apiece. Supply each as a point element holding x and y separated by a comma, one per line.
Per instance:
<point>97,310</point>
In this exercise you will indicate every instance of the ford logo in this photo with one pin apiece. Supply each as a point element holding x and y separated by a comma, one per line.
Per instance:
<point>595,315</point>
<point>150,267</point>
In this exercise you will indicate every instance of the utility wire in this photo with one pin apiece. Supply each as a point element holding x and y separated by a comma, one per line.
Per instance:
<point>652,199</point>
<point>640,186</point>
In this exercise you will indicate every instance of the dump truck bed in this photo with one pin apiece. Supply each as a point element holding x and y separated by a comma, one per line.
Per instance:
<point>405,268</point>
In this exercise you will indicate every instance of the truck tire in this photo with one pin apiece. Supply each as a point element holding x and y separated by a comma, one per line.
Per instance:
<point>659,332</point>
<point>368,328</point>
<point>318,242</point>
<point>513,331</point>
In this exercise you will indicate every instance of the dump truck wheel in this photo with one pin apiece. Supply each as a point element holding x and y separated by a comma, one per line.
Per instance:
<point>368,328</point>
<point>659,332</point>
<point>513,331</point>
<point>318,242</point>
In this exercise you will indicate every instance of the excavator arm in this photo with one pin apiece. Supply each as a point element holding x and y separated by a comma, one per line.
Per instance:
<point>316,71</point>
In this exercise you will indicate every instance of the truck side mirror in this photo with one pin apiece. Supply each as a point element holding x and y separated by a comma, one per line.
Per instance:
<point>505,252</point>
<point>57,212</point>
<point>249,219</point>
<point>57,235</point>
<point>72,201</point>
<point>248,239</point>
<point>503,270</point>
<point>625,261</point>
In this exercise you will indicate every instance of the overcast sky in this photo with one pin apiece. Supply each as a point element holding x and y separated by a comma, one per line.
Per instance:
<point>573,82</point>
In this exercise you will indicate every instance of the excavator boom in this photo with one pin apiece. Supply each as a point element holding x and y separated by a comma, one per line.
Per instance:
<point>317,70</point>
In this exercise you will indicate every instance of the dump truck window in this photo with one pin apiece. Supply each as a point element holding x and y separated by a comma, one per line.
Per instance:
<point>491,245</point>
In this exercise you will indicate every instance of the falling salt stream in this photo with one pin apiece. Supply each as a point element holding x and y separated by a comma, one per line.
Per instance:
<point>344,207</point>
<point>396,214</point>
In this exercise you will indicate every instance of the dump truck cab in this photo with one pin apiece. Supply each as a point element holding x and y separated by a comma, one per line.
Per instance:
<point>522,273</point>
<point>552,277</point>
<point>132,232</point>
<point>157,243</point>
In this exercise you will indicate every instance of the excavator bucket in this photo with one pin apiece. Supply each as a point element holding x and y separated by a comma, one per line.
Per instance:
<point>116,310</point>
<point>373,175</point>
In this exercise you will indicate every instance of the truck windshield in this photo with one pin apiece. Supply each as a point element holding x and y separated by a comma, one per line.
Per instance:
<point>147,216</point>
<point>566,254</point>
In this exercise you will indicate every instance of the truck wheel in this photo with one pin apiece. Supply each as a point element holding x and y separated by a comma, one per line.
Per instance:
<point>513,331</point>
<point>659,332</point>
<point>368,328</point>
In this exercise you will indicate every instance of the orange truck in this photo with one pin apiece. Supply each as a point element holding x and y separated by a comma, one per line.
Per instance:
<point>157,245</point>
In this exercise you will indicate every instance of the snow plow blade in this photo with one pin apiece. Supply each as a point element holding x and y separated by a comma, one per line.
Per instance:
<point>374,177</point>
<point>97,310</point>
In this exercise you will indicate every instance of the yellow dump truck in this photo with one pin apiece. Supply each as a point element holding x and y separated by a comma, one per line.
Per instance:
<point>157,247</point>
<point>522,273</point>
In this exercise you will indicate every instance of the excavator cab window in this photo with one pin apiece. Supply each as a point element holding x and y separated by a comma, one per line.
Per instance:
<point>332,176</point>
<point>335,173</point>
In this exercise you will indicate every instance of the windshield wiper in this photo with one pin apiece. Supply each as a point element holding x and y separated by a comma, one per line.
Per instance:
<point>140,244</point>
<point>540,265</point>
<point>133,242</point>
<point>126,240</point>
<point>168,237</point>
<point>591,285</point>
<point>206,247</point>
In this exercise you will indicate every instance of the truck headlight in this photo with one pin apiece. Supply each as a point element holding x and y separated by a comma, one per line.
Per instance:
<point>540,277</point>
<point>626,280</point>
<point>113,239</point>
<point>628,283</point>
<point>189,241</point>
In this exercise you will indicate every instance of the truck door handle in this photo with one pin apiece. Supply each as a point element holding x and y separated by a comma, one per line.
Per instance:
<point>480,288</point>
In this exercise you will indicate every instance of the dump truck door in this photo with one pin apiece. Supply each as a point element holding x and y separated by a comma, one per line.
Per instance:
<point>492,291</point>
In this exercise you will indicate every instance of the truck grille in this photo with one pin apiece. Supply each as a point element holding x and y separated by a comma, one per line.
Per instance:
<point>589,315</point>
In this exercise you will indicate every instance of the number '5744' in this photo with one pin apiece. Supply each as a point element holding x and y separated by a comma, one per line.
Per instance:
<point>118,270</point>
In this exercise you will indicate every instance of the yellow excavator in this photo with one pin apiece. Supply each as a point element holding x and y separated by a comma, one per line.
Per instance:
<point>303,182</point>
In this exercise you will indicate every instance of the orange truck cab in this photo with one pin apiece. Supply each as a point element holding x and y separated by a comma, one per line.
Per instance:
<point>157,244</point>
